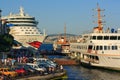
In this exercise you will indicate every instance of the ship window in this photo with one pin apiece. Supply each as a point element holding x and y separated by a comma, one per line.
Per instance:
<point>105,47</point>
<point>25,32</point>
<point>94,37</point>
<point>116,47</point>
<point>96,57</point>
<point>106,37</point>
<point>113,37</point>
<point>97,47</point>
<point>113,48</point>
<point>94,48</point>
<point>99,37</point>
<point>101,48</point>
<point>90,47</point>
<point>108,47</point>
<point>118,37</point>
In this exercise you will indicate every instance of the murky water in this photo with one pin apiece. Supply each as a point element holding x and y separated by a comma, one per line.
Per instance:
<point>82,73</point>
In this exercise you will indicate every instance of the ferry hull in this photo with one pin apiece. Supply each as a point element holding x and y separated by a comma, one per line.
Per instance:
<point>108,62</point>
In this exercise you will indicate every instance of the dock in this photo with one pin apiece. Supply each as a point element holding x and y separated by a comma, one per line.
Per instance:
<point>44,77</point>
<point>64,61</point>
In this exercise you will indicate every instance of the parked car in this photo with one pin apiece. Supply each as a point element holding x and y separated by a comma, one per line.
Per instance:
<point>20,70</point>
<point>47,61</point>
<point>30,70</point>
<point>8,72</point>
<point>42,70</point>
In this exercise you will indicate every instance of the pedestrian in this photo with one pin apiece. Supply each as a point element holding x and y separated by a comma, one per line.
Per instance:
<point>61,68</point>
<point>13,61</point>
<point>52,69</point>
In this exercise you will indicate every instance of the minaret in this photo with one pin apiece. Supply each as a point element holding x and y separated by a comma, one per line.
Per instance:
<point>65,33</point>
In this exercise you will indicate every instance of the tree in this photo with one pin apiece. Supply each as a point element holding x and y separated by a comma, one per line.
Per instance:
<point>6,41</point>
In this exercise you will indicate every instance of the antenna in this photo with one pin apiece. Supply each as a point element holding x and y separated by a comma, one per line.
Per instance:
<point>99,21</point>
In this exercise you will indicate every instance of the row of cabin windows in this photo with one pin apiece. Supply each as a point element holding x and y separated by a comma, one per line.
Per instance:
<point>29,28</point>
<point>22,18</point>
<point>23,22</point>
<point>113,47</point>
<point>105,37</point>
<point>31,33</point>
<point>25,25</point>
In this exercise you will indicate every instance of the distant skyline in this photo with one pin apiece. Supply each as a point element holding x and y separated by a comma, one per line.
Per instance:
<point>76,14</point>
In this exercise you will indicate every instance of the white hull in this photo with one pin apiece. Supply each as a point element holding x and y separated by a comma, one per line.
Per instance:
<point>24,39</point>
<point>107,61</point>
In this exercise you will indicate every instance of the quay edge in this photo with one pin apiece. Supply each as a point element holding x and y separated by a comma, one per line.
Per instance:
<point>45,77</point>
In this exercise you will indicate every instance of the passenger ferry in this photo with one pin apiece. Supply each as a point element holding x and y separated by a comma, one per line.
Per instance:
<point>99,48</point>
<point>24,29</point>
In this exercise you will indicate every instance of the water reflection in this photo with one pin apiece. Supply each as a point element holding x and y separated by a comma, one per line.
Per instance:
<point>82,73</point>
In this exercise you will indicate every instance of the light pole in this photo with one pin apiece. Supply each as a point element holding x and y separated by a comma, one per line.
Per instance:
<point>0,22</point>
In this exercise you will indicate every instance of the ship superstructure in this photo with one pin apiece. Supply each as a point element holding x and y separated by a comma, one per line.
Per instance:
<point>24,28</point>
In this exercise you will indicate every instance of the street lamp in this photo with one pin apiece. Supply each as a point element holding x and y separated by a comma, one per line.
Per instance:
<point>0,13</point>
<point>0,22</point>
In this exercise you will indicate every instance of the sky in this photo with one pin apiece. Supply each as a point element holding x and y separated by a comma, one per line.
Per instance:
<point>52,15</point>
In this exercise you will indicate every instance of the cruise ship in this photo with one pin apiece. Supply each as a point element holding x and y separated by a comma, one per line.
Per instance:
<point>24,29</point>
<point>99,48</point>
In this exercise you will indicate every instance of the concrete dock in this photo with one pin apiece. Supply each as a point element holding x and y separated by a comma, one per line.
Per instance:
<point>44,77</point>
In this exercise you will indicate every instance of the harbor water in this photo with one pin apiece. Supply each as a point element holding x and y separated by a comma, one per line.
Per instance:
<point>84,73</point>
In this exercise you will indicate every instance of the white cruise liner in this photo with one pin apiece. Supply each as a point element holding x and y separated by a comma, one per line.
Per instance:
<point>24,28</point>
<point>99,48</point>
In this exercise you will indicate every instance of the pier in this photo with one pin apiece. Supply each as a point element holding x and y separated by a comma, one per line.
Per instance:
<point>44,77</point>
<point>64,61</point>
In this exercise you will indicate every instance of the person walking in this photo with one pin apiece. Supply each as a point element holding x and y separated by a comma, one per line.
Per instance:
<point>61,68</point>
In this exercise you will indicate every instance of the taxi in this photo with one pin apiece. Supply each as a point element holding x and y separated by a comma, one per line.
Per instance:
<point>8,72</point>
